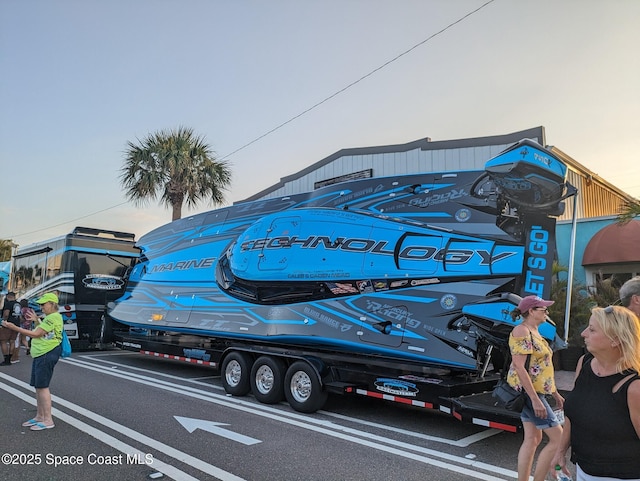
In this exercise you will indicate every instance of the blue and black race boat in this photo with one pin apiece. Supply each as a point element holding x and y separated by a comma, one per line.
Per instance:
<point>416,270</point>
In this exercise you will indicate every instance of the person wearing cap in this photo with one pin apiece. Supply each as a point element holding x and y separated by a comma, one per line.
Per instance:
<point>10,313</point>
<point>630,295</point>
<point>537,381</point>
<point>46,338</point>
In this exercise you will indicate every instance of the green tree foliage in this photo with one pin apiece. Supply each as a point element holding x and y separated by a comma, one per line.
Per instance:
<point>630,211</point>
<point>606,292</point>
<point>583,299</point>
<point>579,310</point>
<point>175,166</point>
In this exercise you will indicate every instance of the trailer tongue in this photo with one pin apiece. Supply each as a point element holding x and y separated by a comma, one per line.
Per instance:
<point>397,288</point>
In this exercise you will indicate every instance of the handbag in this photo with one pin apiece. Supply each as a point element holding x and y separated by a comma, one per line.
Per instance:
<point>509,397</point>
<point>66,345</point>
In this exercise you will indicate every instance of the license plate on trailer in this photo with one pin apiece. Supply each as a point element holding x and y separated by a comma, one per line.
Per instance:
<point>560,415</point>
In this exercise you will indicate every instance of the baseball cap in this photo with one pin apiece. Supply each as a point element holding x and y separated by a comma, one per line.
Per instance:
<point>531,302</point>
<point>48,297</point>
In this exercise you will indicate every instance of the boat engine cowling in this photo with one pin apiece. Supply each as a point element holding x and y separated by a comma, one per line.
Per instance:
<point>529,176</point>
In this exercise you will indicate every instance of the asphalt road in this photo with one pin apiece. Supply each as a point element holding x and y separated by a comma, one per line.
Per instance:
<point>125,416</point>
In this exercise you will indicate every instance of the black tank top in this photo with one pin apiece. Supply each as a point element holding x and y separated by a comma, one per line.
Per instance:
<point>10,306</point>
<point>603,439</point>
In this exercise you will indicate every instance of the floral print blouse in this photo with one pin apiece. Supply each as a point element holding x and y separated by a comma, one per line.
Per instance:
<point>541,365</point>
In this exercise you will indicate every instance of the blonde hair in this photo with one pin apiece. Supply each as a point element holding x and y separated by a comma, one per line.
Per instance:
<point>622,326</point>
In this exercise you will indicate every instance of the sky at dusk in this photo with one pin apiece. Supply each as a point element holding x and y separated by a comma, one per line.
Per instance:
<point>81,78</point>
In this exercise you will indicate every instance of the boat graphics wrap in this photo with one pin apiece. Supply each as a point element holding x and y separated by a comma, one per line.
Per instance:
<point>418,269</point>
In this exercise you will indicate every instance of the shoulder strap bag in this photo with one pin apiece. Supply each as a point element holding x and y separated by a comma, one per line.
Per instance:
<point>507,396</point>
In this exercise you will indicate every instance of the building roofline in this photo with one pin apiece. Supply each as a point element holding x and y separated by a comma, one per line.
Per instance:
<point>423,144</point>
<point>589,174</point>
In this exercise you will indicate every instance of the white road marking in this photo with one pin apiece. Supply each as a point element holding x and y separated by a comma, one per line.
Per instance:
<point>105,438</point>
<point>191,424</point>
<point>130,433</point>
<point>321,426</point>
<point>197,381</point>
<point>463,443</point>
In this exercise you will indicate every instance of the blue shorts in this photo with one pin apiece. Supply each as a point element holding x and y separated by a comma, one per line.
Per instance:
<point>42,368</point>
<point>528,415</point>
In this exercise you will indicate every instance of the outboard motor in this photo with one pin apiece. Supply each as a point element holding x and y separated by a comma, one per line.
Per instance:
<point>529,176</point>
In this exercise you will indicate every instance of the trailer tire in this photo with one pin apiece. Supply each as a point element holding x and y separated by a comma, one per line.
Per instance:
<point>235,373</point>
<point>303,389</point>
<point>267,379</point>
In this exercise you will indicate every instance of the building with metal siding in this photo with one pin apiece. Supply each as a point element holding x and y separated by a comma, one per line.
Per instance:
<point>596,197</point>
<point>596,206</point>
<point>414,157</point>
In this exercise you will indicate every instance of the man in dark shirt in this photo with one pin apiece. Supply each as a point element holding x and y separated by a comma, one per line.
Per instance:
<point>8,336</point>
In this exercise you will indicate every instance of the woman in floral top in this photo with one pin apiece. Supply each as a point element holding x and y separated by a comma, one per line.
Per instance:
<point>537,416</point>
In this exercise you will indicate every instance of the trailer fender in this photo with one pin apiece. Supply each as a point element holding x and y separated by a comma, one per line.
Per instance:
<point>317,364</point>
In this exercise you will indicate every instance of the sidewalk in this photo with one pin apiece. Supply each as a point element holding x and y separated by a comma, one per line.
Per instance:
<point>564,380</point>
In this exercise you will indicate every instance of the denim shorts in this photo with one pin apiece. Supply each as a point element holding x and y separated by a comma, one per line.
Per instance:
<point>42,368</point>
<point>528,415</point>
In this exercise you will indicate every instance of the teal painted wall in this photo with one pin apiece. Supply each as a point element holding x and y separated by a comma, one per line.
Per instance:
<point>585,230</point>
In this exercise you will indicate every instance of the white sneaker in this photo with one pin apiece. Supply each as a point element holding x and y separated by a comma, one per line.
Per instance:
<point>17,360</point>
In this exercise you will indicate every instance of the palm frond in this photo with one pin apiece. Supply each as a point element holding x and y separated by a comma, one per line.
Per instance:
<point>629,212</point>
<point>174,167</point>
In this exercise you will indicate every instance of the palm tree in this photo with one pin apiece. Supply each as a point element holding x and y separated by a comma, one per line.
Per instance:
<point>630,210</point>
<point>176,166</point>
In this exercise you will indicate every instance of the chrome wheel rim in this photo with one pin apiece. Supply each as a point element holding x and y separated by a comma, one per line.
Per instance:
<point>301,386</point>
<point>233,373</point>
<point>264,379</point>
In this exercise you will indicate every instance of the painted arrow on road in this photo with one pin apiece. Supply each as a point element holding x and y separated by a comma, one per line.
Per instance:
<point>191,425</point>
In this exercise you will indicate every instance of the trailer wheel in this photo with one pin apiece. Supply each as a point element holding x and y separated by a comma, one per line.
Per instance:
<point>303,389</point>
<point>267,379</point>
<point>235,373</point>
